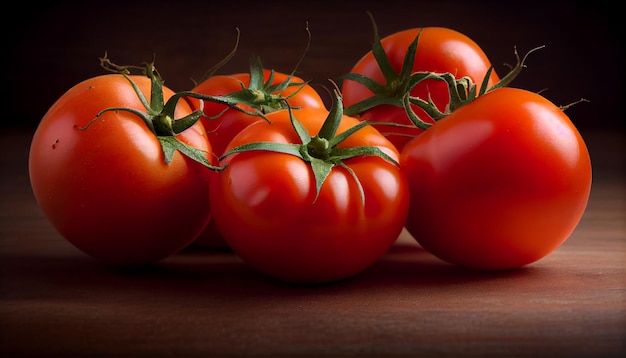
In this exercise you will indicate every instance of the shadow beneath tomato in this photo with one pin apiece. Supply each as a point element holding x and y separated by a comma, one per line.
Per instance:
<point>405,264</point>
<point>416,266</point>
<point>200,277</point>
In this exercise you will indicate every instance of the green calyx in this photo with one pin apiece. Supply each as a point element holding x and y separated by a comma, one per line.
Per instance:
<point>159,115</point>
<point>265,96</point>
<point>321,151</point>
<point>397,89</point>
<point>261,95</point>
<point>396,86</point>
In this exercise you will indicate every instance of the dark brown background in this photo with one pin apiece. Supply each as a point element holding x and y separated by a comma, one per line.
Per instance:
<point>55,45</point>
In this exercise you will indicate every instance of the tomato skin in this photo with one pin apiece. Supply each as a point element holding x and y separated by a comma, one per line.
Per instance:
<point>264,205</point>
<point>222,129</point>
<point>439,50</point>
<point>106,188</point>
<point>500,183</point>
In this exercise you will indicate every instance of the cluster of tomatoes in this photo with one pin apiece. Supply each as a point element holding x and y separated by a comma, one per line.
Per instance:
<point>422,134</point>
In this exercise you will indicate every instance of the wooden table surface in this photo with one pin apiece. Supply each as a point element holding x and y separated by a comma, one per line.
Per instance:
<point>57,302</point>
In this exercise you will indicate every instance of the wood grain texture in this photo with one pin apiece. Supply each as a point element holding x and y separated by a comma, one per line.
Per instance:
<point>57,302</point>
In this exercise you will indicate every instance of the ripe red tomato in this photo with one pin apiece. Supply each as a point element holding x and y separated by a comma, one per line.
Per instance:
<point>265,203</point>
<point>499,183</point>
<point>106,188</point>
<point>440,50</point>
<point>223,123</point>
